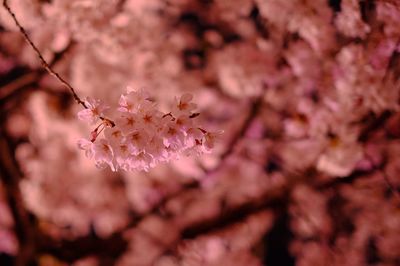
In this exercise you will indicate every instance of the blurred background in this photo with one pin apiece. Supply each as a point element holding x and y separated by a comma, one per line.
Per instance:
<point>305,173</point>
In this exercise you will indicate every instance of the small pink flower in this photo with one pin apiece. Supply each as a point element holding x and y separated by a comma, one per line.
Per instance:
<point>184,105</point>
<point>95,109</point>
<point>194,137</point>
<point>174,138</point>
<point>134,101</point>
<point>184,122</point>
<point>103,154</point>
<point>121,155</point>
<point>157,149</point>
<point>128,122</point>
<point>114,135</point>
<point>210,138</point>
<point>137,141</point>
<point>141,161</point>
<point>86,145</point>
<point>150,119</point>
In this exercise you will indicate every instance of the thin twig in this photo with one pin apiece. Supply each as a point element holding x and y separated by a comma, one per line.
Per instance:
<point>48,68</point>
<point>42,60</point>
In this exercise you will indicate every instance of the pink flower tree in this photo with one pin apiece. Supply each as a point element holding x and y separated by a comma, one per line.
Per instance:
<point>248,132</point>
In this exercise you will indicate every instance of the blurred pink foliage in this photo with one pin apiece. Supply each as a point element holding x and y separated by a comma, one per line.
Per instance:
<point>306,171</point>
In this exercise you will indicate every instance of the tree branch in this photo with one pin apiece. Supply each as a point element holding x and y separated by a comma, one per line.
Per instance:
<point>46,66</point>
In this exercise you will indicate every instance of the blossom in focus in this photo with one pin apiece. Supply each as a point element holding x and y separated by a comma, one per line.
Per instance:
<point>103,154</point>
<point>143,136</point>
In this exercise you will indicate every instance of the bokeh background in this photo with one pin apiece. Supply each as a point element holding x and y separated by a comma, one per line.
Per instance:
<point>305,173</point>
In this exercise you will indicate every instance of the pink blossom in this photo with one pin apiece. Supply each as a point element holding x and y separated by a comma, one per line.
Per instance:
<point>184,122</point>
<point>134,101</point>
<point>137,141</point>
<point>150,119</point>
<point>194,136</point>
<point>103,154</point>
<point>184,105</point>
<point>143,136</point>
<point>141,161</point>
<point>157,148</point>
<point>95,109</point>
<point>210,139</point>
<point>174,138</point>
<point>127,122</point>
<point>114,135</point>
<point>86,145</point>
<point>122,154</point>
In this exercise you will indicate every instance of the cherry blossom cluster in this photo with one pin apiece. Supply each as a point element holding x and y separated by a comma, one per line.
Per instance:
<point>141,136</point>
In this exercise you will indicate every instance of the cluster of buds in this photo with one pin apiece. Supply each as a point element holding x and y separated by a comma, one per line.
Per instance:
<point>141,136</point>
